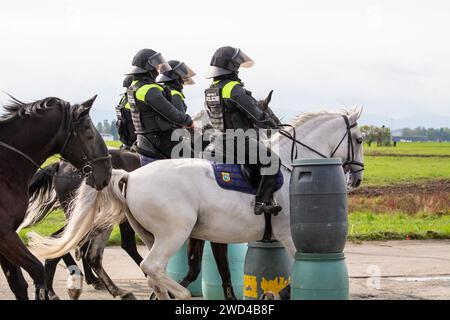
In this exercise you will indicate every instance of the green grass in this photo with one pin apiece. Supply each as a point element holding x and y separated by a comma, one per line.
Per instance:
<point>52,223</point>
<point>405,148</point>
<point>55,221</point>
<point>114,144</point>
<point>391,170</point>
<point>369,226</point>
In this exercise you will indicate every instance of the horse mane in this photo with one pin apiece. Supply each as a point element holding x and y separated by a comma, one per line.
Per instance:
<point>307,116</point>
<point>20,109</point>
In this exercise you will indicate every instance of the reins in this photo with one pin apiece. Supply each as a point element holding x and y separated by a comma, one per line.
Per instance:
<point>350,150</point>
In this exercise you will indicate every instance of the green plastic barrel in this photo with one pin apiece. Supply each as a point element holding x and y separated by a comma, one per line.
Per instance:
<point>318,205</point>
<point>178,267</point>
<point>319,276</point>
<point>267,268</point>
<point>212,282</point>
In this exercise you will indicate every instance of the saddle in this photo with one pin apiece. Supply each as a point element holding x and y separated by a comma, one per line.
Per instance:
<point>241,178</point>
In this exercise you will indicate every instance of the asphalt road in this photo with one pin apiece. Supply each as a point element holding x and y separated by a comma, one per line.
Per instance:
<point>378,270</point>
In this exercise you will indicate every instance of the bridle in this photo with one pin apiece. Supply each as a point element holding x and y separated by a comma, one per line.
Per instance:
<point>347,165</point>
<point>86,170</point>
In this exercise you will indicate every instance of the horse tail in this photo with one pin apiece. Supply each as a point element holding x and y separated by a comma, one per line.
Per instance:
<point>43,199</point>
<point>90,210</point>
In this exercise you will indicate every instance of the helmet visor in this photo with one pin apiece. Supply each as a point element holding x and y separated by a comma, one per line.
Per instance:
<point>241,59</point>
<point>188,81</point>
<point>183,71</point>
<point>158,62</point>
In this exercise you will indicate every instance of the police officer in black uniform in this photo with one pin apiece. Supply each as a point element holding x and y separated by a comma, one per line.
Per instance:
<point>124,123</point>
<point>175,80</point>
<point>231,106</point>
<point>154,116</point>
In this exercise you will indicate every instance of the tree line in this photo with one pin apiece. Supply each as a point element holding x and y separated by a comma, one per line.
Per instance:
<point>382,136</point>
<point>426,134</point>
<point>107,127</point>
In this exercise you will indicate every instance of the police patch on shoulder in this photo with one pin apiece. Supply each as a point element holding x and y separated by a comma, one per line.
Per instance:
<point>226,176</point>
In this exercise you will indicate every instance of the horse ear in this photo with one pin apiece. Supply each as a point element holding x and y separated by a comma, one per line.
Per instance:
<point>83,108</point>
<point>268,99</point>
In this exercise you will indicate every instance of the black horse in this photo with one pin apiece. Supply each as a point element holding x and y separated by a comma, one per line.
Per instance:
<point>29,134</point>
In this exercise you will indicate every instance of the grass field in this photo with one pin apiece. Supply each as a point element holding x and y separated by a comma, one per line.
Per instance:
<point>389,170</point>
<point>416,148</point>
<point>369,226</point>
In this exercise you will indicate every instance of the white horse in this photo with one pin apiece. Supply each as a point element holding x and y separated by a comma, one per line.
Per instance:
<point>169,201</point>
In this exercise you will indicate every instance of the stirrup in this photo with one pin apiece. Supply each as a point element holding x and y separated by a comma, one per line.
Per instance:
<point>265,207</point>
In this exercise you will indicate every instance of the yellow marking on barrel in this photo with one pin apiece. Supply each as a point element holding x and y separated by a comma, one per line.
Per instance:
<point>250,286</point>
<point>275,285</point>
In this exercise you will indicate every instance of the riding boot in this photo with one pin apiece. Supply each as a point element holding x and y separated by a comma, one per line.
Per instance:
<point>264,196</point>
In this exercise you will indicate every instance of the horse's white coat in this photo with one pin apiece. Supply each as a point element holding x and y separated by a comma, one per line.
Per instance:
<point>171,200</point>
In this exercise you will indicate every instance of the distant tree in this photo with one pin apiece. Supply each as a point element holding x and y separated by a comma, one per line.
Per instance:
<point>100,127</point>
<point>106,126</point>
<point>382,136</point>
<point>114,131</point>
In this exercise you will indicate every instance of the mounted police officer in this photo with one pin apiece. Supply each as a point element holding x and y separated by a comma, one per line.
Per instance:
<point>175,80</point>
<point>154,116</point>
<point>124,122</point>
<point>232,107</point>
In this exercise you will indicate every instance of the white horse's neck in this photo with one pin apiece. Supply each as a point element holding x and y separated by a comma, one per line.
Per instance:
<point>320,131</point>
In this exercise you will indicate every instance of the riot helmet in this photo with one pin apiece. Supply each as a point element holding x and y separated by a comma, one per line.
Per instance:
<point>180,71</point>
<point>227,60</point>
<point>127,81</point>
<point>147,60</point>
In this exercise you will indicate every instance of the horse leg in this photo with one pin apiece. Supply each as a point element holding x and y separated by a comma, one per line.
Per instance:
<point>220,252</point>
<point>15,279</point>
<point>75,280</point>
<point>13,249</point>
<point>94,257</point>
<point>194,252</point>
<point>155,263</point>
<point>128,241</point>
<point>90,278</point>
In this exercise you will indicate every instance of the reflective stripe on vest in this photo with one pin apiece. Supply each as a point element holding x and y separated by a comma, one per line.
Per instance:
<point>142,91</point>
<point>176,92</point>
<point>226,90</point>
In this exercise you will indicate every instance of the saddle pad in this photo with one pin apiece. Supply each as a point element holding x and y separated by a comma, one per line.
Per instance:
<point>230,177</point>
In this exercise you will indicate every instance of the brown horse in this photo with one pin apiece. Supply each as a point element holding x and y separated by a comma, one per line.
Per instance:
<point>29,134</point>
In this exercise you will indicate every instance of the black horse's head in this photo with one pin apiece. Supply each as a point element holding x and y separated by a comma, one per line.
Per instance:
<point>83,146</point>
<point>264,105</point>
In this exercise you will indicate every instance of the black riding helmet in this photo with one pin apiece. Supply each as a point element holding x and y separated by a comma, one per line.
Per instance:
<point>180,71</point>
<point>147,60</point>
<point>227,60</point>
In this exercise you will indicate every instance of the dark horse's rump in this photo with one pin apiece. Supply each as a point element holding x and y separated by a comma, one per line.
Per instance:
<point>30,133</point>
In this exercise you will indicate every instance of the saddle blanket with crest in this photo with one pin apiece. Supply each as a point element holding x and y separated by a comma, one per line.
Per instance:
<point>231,177</point>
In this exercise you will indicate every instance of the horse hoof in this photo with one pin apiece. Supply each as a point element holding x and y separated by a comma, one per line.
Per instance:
<point>53,296</point>
<point>98,285</point>
<point>74,294</point>
<point>75,286</point>
<point>128,296</point>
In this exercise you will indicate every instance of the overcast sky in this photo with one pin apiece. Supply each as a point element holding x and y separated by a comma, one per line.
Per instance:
<point>392,57</point>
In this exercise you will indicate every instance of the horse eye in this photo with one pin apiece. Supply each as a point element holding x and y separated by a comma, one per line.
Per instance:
<point>359,140</point>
